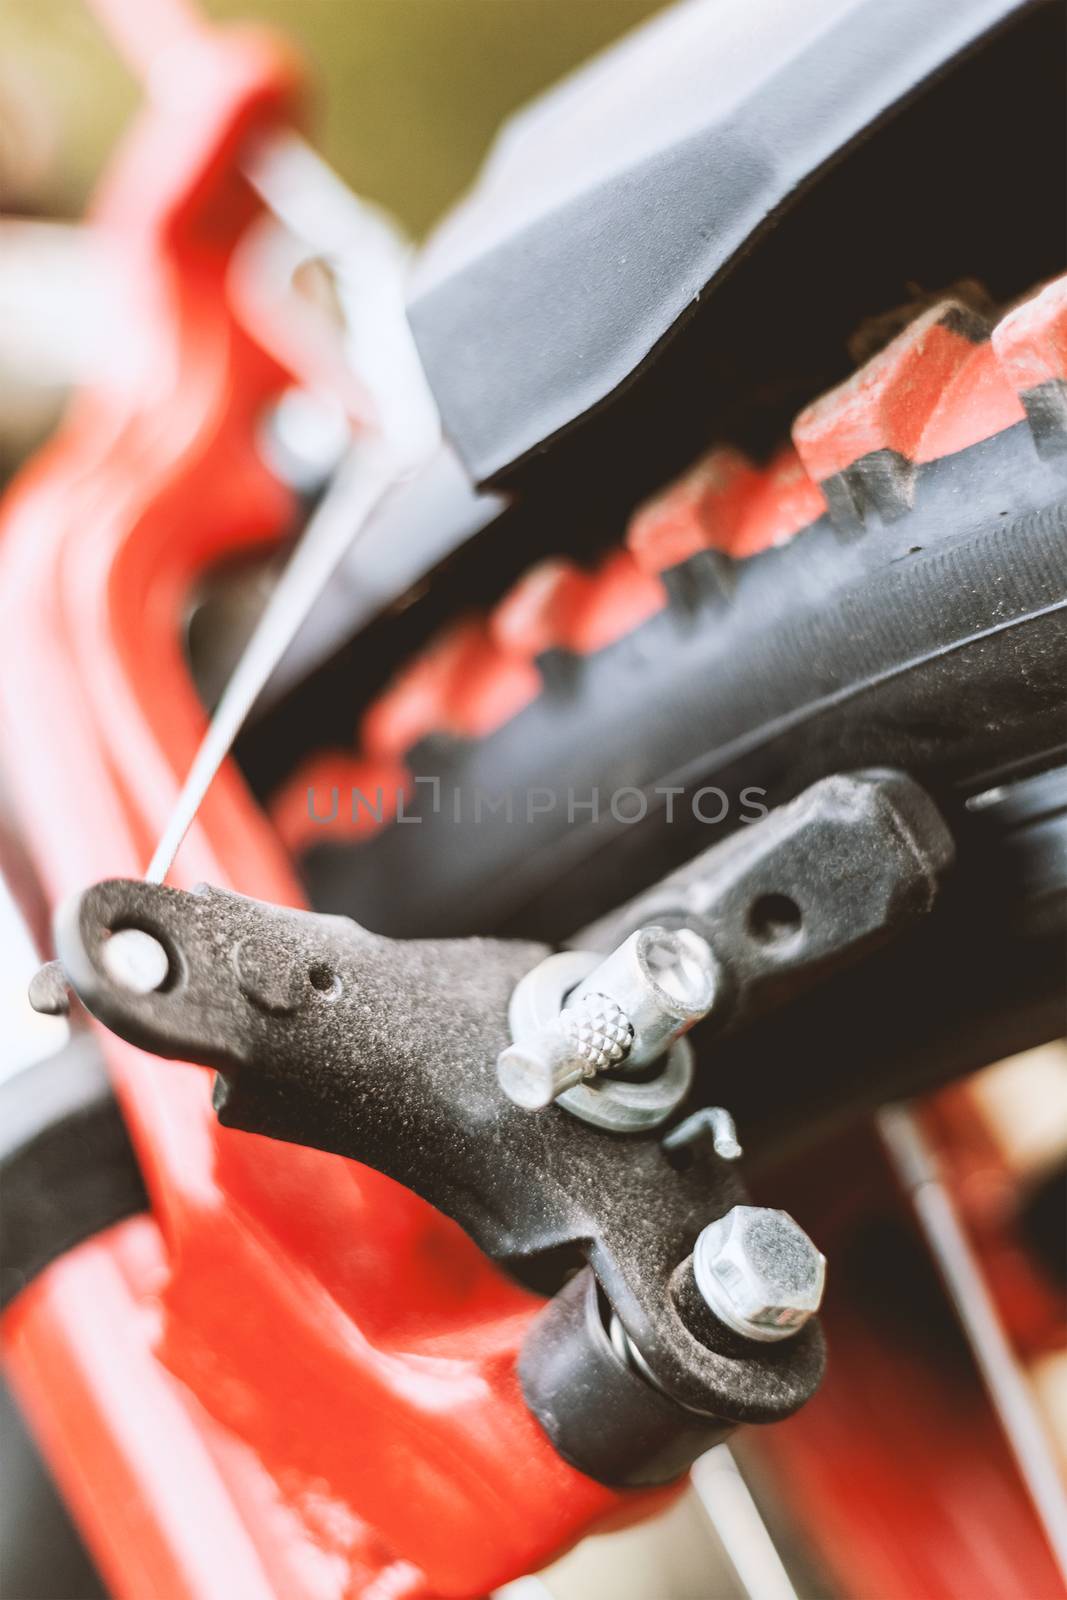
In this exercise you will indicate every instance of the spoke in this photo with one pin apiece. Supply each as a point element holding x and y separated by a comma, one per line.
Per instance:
<point>737,1520</point>
<point>917,1168</point>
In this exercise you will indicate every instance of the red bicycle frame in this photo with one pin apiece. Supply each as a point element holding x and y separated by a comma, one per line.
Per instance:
<point>293,1377</point>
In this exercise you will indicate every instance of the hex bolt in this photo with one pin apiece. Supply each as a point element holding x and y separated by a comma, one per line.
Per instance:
<point>758,1271</point>
<point>626,1013</point>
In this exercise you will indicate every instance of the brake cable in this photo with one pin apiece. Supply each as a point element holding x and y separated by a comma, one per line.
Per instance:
<point>368,257</point>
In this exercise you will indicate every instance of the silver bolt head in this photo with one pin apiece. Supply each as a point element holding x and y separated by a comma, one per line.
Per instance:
<point>759,1272</point>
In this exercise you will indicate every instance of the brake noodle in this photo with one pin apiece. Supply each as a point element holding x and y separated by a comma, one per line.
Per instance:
<point>948,381</point>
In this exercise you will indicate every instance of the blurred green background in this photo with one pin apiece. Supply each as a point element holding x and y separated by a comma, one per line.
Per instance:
<point>407,93</point>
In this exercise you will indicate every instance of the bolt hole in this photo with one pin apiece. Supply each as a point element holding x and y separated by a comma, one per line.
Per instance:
<point>774,919</point>
<point>325,980</point>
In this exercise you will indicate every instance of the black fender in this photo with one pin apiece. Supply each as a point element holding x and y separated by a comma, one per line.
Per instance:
<point>879,142</point>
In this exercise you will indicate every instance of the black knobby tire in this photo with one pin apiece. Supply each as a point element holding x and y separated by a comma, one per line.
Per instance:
<point>935,642</point>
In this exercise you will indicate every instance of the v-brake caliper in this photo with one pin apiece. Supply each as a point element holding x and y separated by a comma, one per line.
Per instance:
<point>551,1102</point>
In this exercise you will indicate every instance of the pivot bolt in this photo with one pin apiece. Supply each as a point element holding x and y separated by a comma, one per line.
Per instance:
<point>625,1014</point>
<point>758,1271</point>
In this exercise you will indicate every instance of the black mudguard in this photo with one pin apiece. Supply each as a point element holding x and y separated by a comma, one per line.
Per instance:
<point>894,141</point>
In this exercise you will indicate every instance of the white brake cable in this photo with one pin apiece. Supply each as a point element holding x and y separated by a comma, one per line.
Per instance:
<point>368,259</point>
